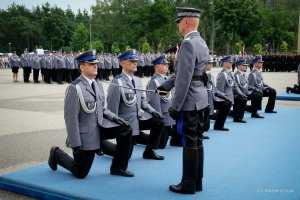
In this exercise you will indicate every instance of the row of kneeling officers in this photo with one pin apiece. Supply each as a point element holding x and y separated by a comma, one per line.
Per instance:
<point>131,109</point>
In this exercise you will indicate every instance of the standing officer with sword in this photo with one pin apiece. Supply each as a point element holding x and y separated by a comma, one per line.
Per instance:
<point>190,98</point>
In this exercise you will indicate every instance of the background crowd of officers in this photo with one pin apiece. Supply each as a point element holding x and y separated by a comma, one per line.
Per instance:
<point>62,67</point>
<point>273,62</point>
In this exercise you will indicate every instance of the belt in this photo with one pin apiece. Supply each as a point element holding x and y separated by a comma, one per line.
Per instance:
<point>197,78</point>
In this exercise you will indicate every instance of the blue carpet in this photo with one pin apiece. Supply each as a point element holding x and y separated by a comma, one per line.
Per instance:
<point>257,160</point>
<point>288,96</point>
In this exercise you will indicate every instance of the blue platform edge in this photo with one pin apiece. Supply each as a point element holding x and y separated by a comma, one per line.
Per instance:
<point>32,190</point>
<point>256,160</point>
<point>283,96</point>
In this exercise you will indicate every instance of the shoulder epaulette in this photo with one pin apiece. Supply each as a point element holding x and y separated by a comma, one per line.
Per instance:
<point>75,82</point>
<point>188,38</point>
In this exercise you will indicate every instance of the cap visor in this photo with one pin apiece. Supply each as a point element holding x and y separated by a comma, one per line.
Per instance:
<point>92,61</point>
<point>135,59</point>
<point>177,20</point>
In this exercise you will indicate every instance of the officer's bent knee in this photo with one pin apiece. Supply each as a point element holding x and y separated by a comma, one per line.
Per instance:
<point>81,175</point>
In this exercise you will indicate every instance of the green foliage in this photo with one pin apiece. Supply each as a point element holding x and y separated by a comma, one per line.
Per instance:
<point>146,47</point>
<point>124,23</point>
<point>257,49</point>
<point>160,47</point>
<point>238,47</point>
<point>67,49</point>
<point>38,47</point>
<point>236,18</point>
<point>115,48</point>
<point>80,38</point>
<point>284,46</point>
<point>127,47</point>
<point>98,45</point>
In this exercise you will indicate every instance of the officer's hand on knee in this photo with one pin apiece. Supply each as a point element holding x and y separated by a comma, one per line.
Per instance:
<point>157,114</point>
<point>227,99</point>
<point>121,121</point>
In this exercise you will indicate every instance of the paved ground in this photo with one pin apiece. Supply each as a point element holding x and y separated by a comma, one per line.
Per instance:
<point>31,119</point>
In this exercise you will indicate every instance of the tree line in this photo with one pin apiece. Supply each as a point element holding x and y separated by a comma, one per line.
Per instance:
<point>148,25</point>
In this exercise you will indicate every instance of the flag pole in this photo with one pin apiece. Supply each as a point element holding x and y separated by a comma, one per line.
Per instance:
<point>298,49</point>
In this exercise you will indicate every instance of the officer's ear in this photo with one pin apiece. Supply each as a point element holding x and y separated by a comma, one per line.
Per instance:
<point>81,65</point>
<point>122,63</point>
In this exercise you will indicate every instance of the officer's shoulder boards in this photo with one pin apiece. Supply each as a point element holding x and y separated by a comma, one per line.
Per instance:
<point>75,82</point>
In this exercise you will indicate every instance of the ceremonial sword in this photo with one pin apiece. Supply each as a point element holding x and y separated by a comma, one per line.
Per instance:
<point>136,89</point>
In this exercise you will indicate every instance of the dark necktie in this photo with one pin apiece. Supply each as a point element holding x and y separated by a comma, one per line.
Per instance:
<point>132,81</point>
<point>93,86</point>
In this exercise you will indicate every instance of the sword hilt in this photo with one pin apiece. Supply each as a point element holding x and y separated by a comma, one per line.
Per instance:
<point>162,92</point>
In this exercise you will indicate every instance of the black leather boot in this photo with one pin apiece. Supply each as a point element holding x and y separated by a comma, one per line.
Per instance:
<point>189,172</point>
<point>200,169</point>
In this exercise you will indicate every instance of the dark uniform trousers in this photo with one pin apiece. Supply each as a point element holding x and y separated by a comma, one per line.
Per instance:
<point>68,75</point>
<point>166,133</point>
<point>36,73</point>
<point>156,127</point>
<point>26,73</point>
<point>53,74</point>
<point>83,159</point>
<point>59,75</point>
<point>239,107</point>
<point>295,89</point>
<point>170,131</point>
<point>75,74</point>
<point>107,73</point>
<point>207,119</point>
<point>222,108</point>
<point>256,99</point>
<point>271,93</point>
<point>152,140</point>
<point>190,125</point>
<point>47,76</point>
<point>115,71</point>
<point>176,139</point>
<point>139,71</point>
<point>100,74</point>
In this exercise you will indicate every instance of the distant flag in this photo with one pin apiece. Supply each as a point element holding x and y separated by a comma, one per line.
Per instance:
<point>243,52</point>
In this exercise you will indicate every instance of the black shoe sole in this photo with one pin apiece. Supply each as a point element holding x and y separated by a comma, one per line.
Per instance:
<point>181,191</point>
<point>121,173</point>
